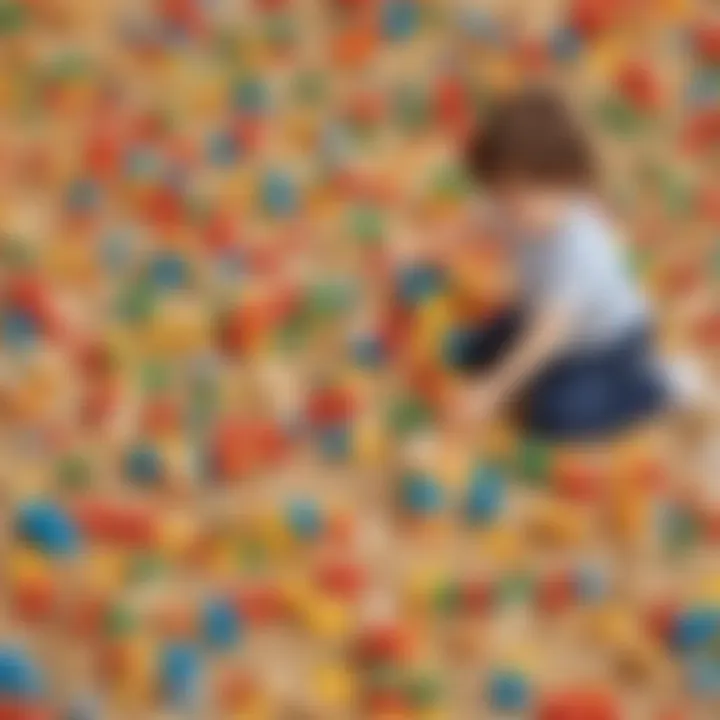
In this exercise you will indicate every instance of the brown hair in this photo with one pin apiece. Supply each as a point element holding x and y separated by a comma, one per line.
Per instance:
<point>531,135</point>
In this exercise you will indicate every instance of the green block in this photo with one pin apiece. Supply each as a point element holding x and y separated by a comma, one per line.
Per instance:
<point>366,224</point>
<point>412,110</point>
<point>12,17</point>
<point>407,415</point>
<point>73,472</point>
<point>119,621</point>
<point>619,118</point>
<point>517,588</point>
<point>447,598</point>
<point>424,690</point>
<point>533,462</point>
<point>137,303</point>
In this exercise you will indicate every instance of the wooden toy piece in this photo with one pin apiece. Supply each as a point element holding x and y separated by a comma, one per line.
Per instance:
<point>114,522</point>
<point>580,704</point>
<point>579,476</point>
<point>335,686</point>
<point>47,527</point>
<point>553,522</point>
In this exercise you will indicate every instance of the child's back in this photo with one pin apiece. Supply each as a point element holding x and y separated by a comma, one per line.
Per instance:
<point>581,266</point>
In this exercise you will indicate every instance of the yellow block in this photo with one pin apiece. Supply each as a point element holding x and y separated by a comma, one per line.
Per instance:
<point>335,686</point>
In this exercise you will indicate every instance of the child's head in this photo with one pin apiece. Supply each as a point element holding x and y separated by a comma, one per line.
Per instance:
<point>531,156</point>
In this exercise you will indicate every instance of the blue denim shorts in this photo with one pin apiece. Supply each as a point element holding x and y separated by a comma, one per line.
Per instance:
<point>581,396</point>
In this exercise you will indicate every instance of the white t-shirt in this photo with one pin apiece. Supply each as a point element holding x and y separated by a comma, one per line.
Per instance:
<point>582,267</point>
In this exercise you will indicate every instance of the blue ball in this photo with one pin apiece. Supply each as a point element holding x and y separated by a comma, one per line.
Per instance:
<point>486,494</point>
<point>221,624</point>
<point>19,677</point>
<point>421,494</point>
<point>180,673</point>
<point>47,527</point>
<point>508,691</point>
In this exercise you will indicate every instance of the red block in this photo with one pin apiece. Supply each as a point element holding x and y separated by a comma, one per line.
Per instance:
<point>640,84</point>
<point>260,604</point>
<point>476,596</point>
<point>594,17</point>
<point>387,643</point>
<point>707,41</point>
<point>10,710</point>
<point>342,578</point>
<point>35,600</point>
<point>330,406</point>
<point>579,704</point>
<point>115,523</point>
<point>555,593</point>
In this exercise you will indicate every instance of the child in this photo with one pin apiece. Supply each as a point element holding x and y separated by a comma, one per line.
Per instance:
<point>578,351</point>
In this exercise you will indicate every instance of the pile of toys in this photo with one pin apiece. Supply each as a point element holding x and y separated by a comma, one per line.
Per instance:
<point>233,290</point>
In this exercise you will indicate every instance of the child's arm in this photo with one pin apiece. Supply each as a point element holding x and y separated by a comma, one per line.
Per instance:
<point>537,344</point>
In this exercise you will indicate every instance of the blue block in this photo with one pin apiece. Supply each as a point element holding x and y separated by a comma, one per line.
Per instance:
<point>303,517</point>
<point>421,494</point>
<point>399,18</point>
<point>47,527</point>
<point>335,442</point>
<point>251,96</point>
<point>18,328</point>
<point>418,282</point>
<point>590,584</point>
<point>180,673</point>
<point>695,627</point>
<point>83,195</point>
<point>143,464</point>
<point>565,44</point>
<point>508,691</point>
<point>19,677</point>
<point>223,149</point>
<point>368,351</point>
<point>169,271</point>
<point>486,495</point>
<point>221,624</point>
<point>279,197</point>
